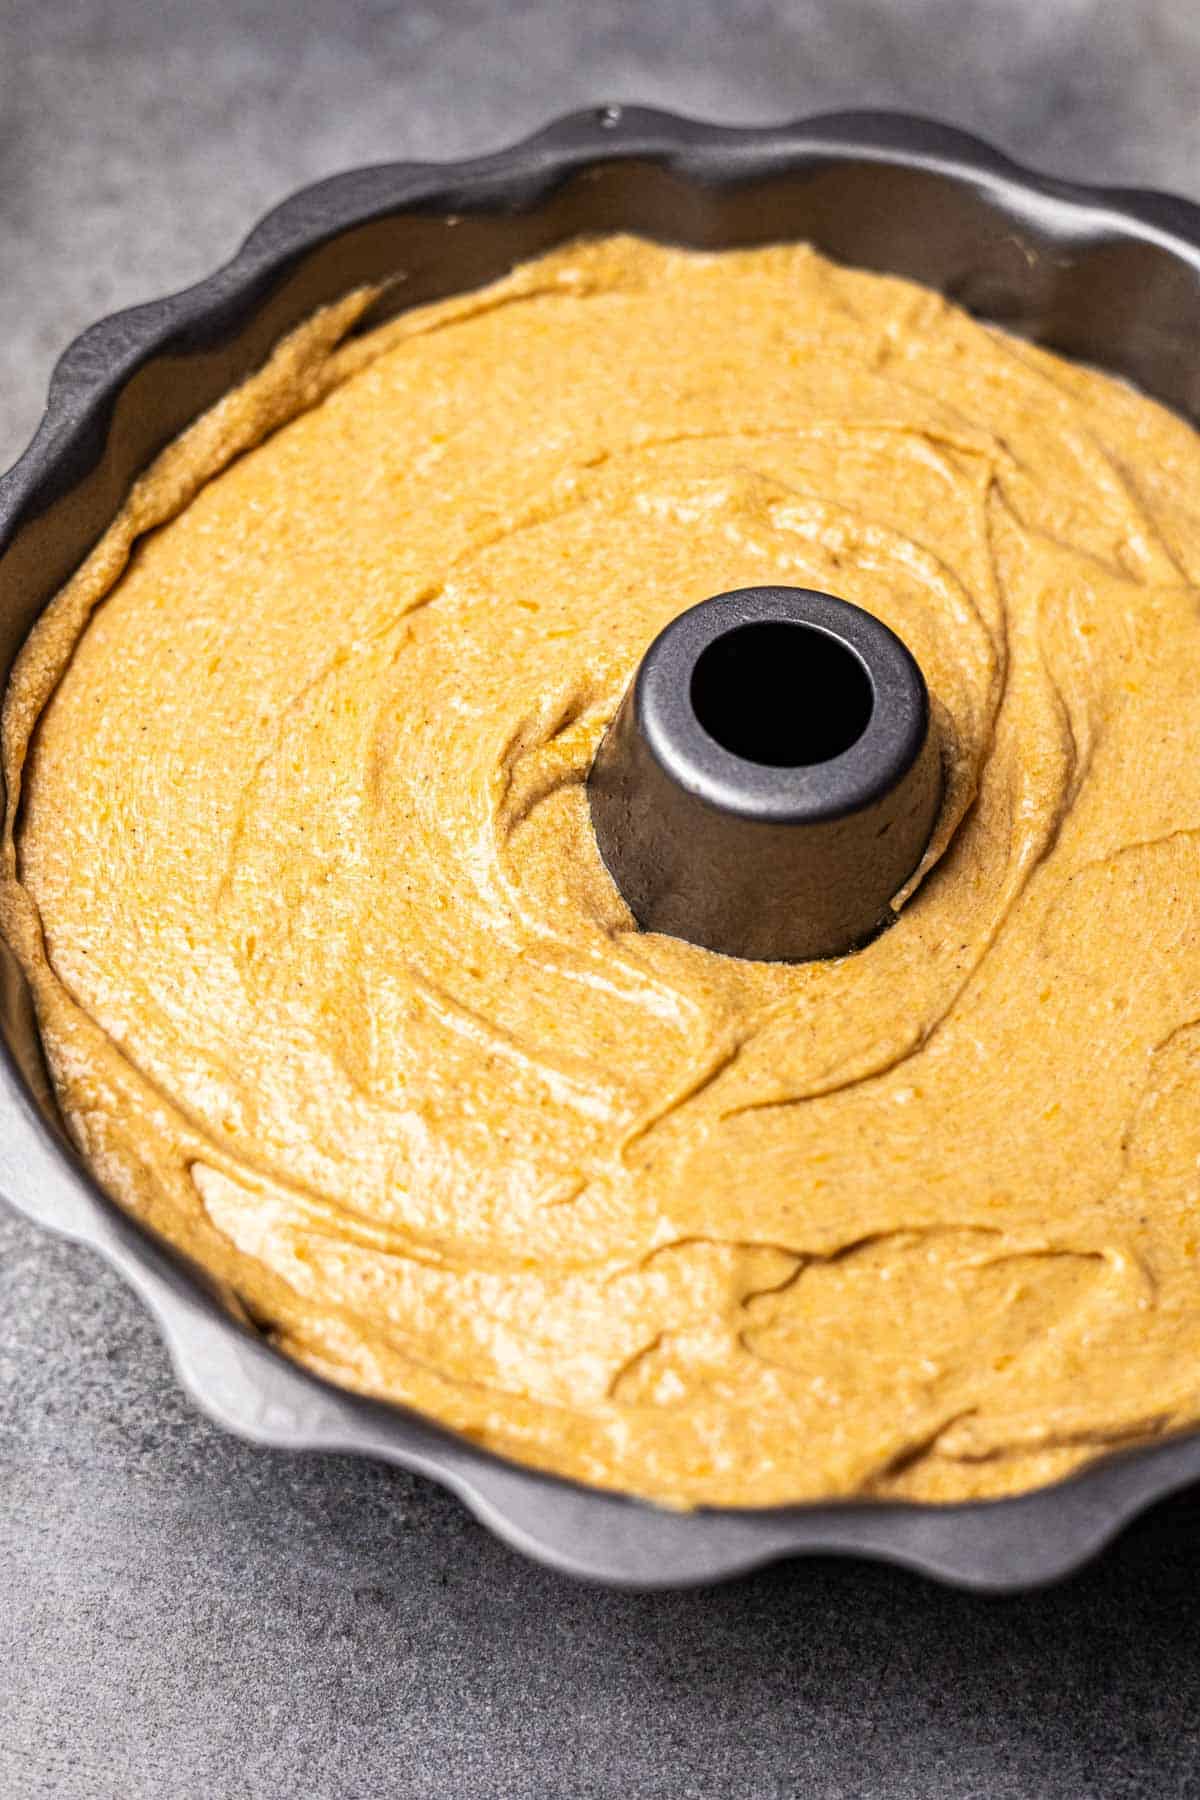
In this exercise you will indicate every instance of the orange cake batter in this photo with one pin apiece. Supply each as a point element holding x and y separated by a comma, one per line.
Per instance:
<point>338,996</point>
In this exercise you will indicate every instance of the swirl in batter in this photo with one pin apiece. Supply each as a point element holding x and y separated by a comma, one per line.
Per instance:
<point>338,996</point>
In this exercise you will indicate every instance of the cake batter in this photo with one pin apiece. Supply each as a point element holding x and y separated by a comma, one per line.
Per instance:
<point>337,994</point>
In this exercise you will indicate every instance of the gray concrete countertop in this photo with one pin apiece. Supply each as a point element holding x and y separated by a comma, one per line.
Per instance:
<point>181,1615</point>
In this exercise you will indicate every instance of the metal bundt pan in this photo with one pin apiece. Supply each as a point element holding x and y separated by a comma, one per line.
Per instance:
<point>1111,277</point>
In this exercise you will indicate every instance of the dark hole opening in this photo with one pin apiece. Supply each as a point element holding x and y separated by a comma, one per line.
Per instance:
<point>782,694</point>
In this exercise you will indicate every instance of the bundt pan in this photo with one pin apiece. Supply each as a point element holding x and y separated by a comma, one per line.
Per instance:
<point>1110,277</point>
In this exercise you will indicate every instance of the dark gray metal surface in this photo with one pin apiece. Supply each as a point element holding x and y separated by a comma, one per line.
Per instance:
<point>187,1614</point>
<point>1115,276</point>
<point>770,779</point>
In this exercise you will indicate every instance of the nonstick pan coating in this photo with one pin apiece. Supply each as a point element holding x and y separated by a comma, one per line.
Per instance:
<point>1109,277</point>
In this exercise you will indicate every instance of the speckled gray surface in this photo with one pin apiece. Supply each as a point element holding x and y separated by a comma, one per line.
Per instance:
<point>181,1615</point>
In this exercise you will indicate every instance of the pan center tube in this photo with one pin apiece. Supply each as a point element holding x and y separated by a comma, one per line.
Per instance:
<point>771,777</point>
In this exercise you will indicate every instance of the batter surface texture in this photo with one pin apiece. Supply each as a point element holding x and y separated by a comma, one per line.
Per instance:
<point>338,995</point>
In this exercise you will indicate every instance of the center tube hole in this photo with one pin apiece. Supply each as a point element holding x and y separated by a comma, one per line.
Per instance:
<point>781,694</point>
